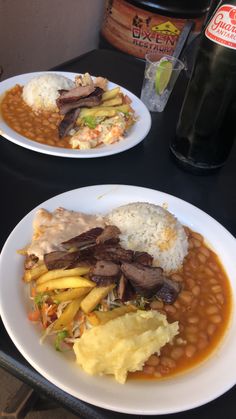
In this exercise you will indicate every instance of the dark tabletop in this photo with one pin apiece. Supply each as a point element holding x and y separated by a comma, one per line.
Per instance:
<point>29,178</point>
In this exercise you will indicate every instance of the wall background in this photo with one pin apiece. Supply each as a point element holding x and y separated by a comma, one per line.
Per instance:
<point>36,35</point>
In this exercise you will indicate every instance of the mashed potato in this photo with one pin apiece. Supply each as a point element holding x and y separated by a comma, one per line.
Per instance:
<point>150,228</point>
<point>41,92</point>
<point>124,344</point>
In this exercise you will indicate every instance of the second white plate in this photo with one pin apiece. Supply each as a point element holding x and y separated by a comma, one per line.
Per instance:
<point>194,388</point>
<point>134,136</point>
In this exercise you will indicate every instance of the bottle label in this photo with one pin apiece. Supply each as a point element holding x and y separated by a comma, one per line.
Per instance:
<point>222,27</point>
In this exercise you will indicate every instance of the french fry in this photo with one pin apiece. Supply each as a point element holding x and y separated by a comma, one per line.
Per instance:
<point>67,315</point>
<point>34,273</point>
<point>65,282</point>
<point>113,102</point>
<point>101,317</point>
<point>62,273</point>
<point>94,297</point>
<point>110,94</point>
<point>71,294</point>
<point>105,111</point>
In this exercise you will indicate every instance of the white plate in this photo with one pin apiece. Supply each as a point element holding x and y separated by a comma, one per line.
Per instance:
<point>201,385</point>
<point>134,136</point>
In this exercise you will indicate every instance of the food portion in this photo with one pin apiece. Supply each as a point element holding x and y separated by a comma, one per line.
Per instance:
<point>42,91</point>
<point>81,113</point>
<point>130,301</point>
<point>151,228</point>
<point>124,344</point>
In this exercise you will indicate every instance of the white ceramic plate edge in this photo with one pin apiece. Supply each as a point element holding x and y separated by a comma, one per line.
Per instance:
<point>135,135</point>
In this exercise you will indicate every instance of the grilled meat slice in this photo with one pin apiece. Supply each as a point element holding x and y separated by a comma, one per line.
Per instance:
<point>143,257</point>
<point>103,281</point>
<point>60,259</point>
<point>146,280</point>
<point>105,268</point>
<point>169,291</point>
<point>72,95</point>
<point>85,239</point>
<point>109,234</point>
<point>66,104</point>
<point>114,253</point>
<point>68,122</point>
<point>104,272</point>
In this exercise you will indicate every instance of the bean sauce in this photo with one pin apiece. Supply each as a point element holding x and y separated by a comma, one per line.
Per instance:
<point>202,309</point>
<point>41,127</point>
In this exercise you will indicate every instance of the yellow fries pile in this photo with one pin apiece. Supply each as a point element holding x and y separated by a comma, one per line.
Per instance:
<point>80,292</point>
<point>112,103</point>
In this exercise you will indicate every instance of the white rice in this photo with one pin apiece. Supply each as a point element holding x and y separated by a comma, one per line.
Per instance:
<point>151,228</point>
<point>41,92</point>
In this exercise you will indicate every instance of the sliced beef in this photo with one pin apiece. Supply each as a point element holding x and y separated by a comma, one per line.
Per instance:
<point>109,234</point>
<point>143,257</point>
<point>103,281</point>
<point>104,272</point>
<point>66,104</point>
<point>114,253</point>
<point>146,280</point>
<point>85,239</point>
<point>68,122</point>
<point>105,268</point>
<point>169,291</point>
<point>125,291</point>
<point>74,94</point>
<point>59,259</point>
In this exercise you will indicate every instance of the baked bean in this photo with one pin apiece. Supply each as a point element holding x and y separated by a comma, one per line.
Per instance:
<point>196,290</point>
<point>202,257</point>
<point>213,266</point>
<point>208,271</point>
<point>211,328</point>
<point>177,353</point>
<point>190,282</point>
<point>153,361</point>
<point>197,236</point>
<point>204,251</point>
<point>202,343</point>
<point>191,338</point>
<point>212,309</point>
<point>147,369</point>
<point>186,297</point>
<point>196,243</point>
<point>216,289</point>
<point>190,351</point>
<point>216,319</point>
<point>167,362</point>
<point>193,319</point>
<point>191,329</point>
<point>220,298</point>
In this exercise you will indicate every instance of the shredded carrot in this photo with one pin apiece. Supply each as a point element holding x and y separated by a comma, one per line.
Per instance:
<point>33,291</point>
<point>34,315</point>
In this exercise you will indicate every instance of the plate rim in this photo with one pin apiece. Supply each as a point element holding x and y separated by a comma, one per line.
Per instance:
<point>54,381</point>
<point>121,146</point>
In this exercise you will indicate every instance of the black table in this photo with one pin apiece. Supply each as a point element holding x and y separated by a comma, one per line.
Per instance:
<point>29,178</point>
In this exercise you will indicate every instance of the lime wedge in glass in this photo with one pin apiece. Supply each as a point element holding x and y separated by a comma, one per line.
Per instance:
<point>163,75</point>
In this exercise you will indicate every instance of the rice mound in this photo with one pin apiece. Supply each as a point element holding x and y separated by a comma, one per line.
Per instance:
<point>151,228</point>
<point>41,92</point>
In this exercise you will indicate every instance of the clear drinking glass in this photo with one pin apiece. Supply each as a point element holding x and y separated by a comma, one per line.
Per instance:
<point>161,73</point>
